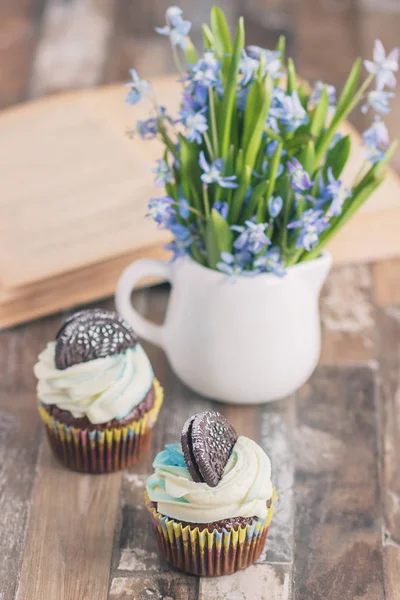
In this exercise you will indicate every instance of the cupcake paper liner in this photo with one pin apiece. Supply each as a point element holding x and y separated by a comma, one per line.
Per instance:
<point>102,451</point>
<point>206,553</point>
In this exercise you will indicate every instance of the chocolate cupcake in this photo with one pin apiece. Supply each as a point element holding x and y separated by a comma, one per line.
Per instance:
<point>211,498</point>
<point>97,393</point>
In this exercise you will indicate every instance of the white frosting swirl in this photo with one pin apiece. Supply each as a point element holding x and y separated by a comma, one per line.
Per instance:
<point>243,491</point>
<point>102,389</point>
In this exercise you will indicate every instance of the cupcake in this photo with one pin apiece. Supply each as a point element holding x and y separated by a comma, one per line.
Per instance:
<point>210,498</point>
<point>97,393</point>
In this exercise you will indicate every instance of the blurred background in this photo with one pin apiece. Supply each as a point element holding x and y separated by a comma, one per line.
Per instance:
<point>50,46</point>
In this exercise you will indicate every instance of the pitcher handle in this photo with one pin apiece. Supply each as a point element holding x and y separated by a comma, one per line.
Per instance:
<point>137,270</point>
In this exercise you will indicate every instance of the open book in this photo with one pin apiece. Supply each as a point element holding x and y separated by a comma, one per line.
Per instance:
<point>74,197</point>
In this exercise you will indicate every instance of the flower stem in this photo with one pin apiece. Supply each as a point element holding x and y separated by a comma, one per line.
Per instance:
<point>209,146</point>
<point>357,178</point>
<point>206,201</point>
<point>213,119</point>
<point>192,210</point>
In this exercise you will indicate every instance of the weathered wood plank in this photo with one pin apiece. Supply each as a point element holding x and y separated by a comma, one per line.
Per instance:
<point>389,412</point>
<point>277,425</point>
<point>69,541</point>
<point>386,280</point>
<point>67,551</point>
<point>135,554</point>
<point>20,435</point>
<point>347,316</point>
<point>258,582</point>
<point>338,516</point>
<point>168,586</point>
<point>73,45</point>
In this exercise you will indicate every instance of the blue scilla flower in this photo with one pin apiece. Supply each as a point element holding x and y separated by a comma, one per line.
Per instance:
<point>264,170</point>
<point>195,123</point>
<point>138,88</point>
<point>378,100</point>
<point>275,204</point>
<point>247,68</point>
<point>383,67</point>
<point>271,147</point>
<point>273,60</point>
<point>183,208</point>
<point>177,29</point>
<point>212,173</point>
<point>161,210</point>
<point>147,129</point>
<point>235,264</point>
<point>299,178</point>
<point>270,262</point>
<point>206,70</point>
<point>376,141</point>
<point>179,246</point>
<point>252,237</point>
<point>333,192</point>
<point>222,208</point>
<point>203,76</point>
<point>163,173</point>
<point>288,109</point>
<point>318,88</point>
<point>241,97</point>
<point>311,224</point>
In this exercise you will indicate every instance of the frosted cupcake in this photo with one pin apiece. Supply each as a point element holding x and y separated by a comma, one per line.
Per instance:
<point>210,498</point>
<point>97,393</point>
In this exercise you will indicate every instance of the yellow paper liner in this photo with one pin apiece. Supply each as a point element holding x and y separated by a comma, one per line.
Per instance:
<point>210,554</point>
<point>102,451</point>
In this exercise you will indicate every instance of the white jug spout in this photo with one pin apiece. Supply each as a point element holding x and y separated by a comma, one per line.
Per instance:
<point>317,270</point>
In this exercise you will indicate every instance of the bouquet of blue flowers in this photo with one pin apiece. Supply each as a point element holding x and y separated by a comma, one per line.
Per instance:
<point>252,162</point>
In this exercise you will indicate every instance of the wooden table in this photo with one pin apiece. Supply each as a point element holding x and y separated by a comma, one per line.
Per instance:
<point>334,447</point>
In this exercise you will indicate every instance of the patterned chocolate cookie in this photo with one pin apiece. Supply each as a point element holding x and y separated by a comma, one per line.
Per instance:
<point>207,443</point>
<point>91,334</point>
<point>187,449</point>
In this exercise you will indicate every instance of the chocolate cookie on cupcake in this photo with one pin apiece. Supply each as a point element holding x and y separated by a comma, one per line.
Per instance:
<point>97,393</point>
<point>210,498</point>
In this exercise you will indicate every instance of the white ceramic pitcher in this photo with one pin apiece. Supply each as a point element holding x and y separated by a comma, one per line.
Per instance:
<point>250,341</point>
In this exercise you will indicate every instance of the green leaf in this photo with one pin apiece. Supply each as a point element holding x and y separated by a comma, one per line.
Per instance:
<point>337,156</point>
<point>219,238</point>
<point>239,161</point>
<point>347,101</point>
<point>229,101</point>
<point>172,190</point>
<point>254,200</point>
<point>239,195</point>
<point>281,47</point>
<point>191,172</point>
<point>190,53</point>
<point>251,152</point>
<point>222,37</point>
<point>197,255</point>
<point>307,158</point>
<point>304,93</point>
<point>291,77</point>
<point>253,106</point>
<point>208,38</point>
<point>350,86</point>
<point>321,112</point>
<point>273,169</point>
